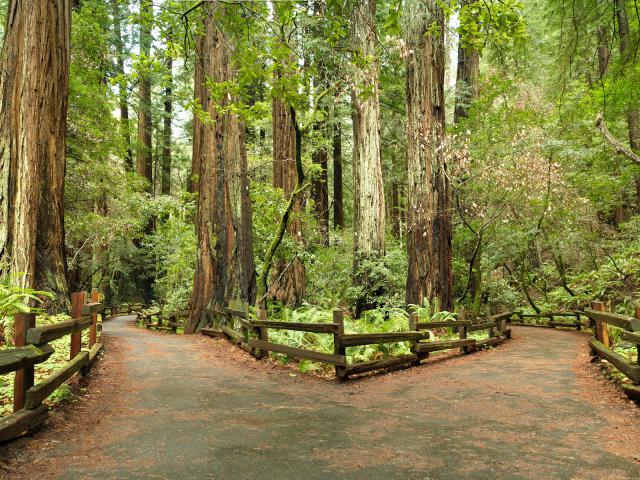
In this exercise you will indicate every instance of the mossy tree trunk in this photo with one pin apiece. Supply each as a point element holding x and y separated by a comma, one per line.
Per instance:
<point>369,201</point>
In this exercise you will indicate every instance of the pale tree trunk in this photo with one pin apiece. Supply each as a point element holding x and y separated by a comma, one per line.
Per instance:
<point>428,197</point>
<point>123,96</point>
<point>34,85</point>
<point>369,204</point>
<point>467,77</point>
<point>144,159</point>
<point>166,130</point>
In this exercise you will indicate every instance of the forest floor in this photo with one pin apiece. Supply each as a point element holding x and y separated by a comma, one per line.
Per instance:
<point>164,406</point>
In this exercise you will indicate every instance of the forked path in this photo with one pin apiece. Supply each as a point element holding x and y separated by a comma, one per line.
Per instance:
<point>185,407</point>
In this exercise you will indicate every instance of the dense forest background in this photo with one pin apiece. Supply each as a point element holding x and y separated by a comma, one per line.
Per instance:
<point>355,153</point>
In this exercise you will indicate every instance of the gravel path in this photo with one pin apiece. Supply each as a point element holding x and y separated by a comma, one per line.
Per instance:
<point>162,406</point>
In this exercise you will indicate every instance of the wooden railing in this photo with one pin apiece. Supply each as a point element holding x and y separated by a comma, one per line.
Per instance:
<point>550,319</point>
<point>160,320</point>
<point>32,348</point>
<point>253,336</point>
<point>601,343</point>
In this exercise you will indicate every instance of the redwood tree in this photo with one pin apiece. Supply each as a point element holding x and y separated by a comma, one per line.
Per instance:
<point>288,281</point>
<point>369,205</point>
<point>34,84</point>
<point>224,264</point>
<point>428,204</point>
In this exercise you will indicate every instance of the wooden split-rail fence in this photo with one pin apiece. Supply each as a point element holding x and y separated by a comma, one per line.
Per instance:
<point>601,344</point>
<point>253,336</point>
<point>32,348</point>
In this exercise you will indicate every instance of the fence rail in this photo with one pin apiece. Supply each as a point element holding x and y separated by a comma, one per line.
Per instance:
<point>32,348</point>
<point>253,336</point>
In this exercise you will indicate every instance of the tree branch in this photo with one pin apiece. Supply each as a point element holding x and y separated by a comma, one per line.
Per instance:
<point>614,142</point>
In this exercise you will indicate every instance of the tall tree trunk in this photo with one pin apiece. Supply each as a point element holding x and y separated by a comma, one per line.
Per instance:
<point>428,197</point>
<point>248,286</point>
<point>34,82</point>
<point>369,204</point>
<point>319,190</point>
<point>208,164</point>
<point>320,186</point>
<point>288,279</point>
<point>467,77</point>
<point>144,159</point>
<point>123,96</point>
<point>225,267</point>
<point>338,201</point>
<point>166,131</point>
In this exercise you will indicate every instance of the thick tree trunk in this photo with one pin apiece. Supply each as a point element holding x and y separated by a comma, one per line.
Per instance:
<point>338,199</point>
<point>208,154</point>
<point>123,96</point>
<point>34,82</point>
<point>248,287</point>
<point>166,131</point>
<point>225,267</point>
<point>428,197</point>
<point>369,204</point>
<point>288,278</point>
<point>467,77</point>
<point>144,159</point>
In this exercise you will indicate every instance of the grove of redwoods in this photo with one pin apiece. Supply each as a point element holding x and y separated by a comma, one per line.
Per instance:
<point>356,153</point>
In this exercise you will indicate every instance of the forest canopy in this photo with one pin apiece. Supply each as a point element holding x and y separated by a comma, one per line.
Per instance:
<point>336,153</point>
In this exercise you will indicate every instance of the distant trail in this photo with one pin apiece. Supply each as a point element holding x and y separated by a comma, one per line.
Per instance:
<point>189,407</point>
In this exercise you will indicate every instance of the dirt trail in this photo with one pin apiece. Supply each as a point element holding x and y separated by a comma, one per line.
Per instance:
<point>162,406</point>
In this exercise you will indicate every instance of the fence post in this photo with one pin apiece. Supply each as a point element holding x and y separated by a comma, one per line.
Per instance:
<point>93,332</point>
<point>462,329</point>
<point>413,327</point>
<point>23,379</point>
<point>77,300</point>
<point>601,333</point>
<point>338,348</point>
<point>263,334</point>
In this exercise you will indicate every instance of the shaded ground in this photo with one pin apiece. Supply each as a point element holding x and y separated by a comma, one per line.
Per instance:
<point>172,407</point>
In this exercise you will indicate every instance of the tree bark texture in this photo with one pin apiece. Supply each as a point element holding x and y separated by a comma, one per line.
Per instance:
<point>288,281</point>
<point>319,189</point>
<point>288,277</point>
<point>369,202</point>
<point>224,264</point>
<point>428,198</point>
<point>34,82</point>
